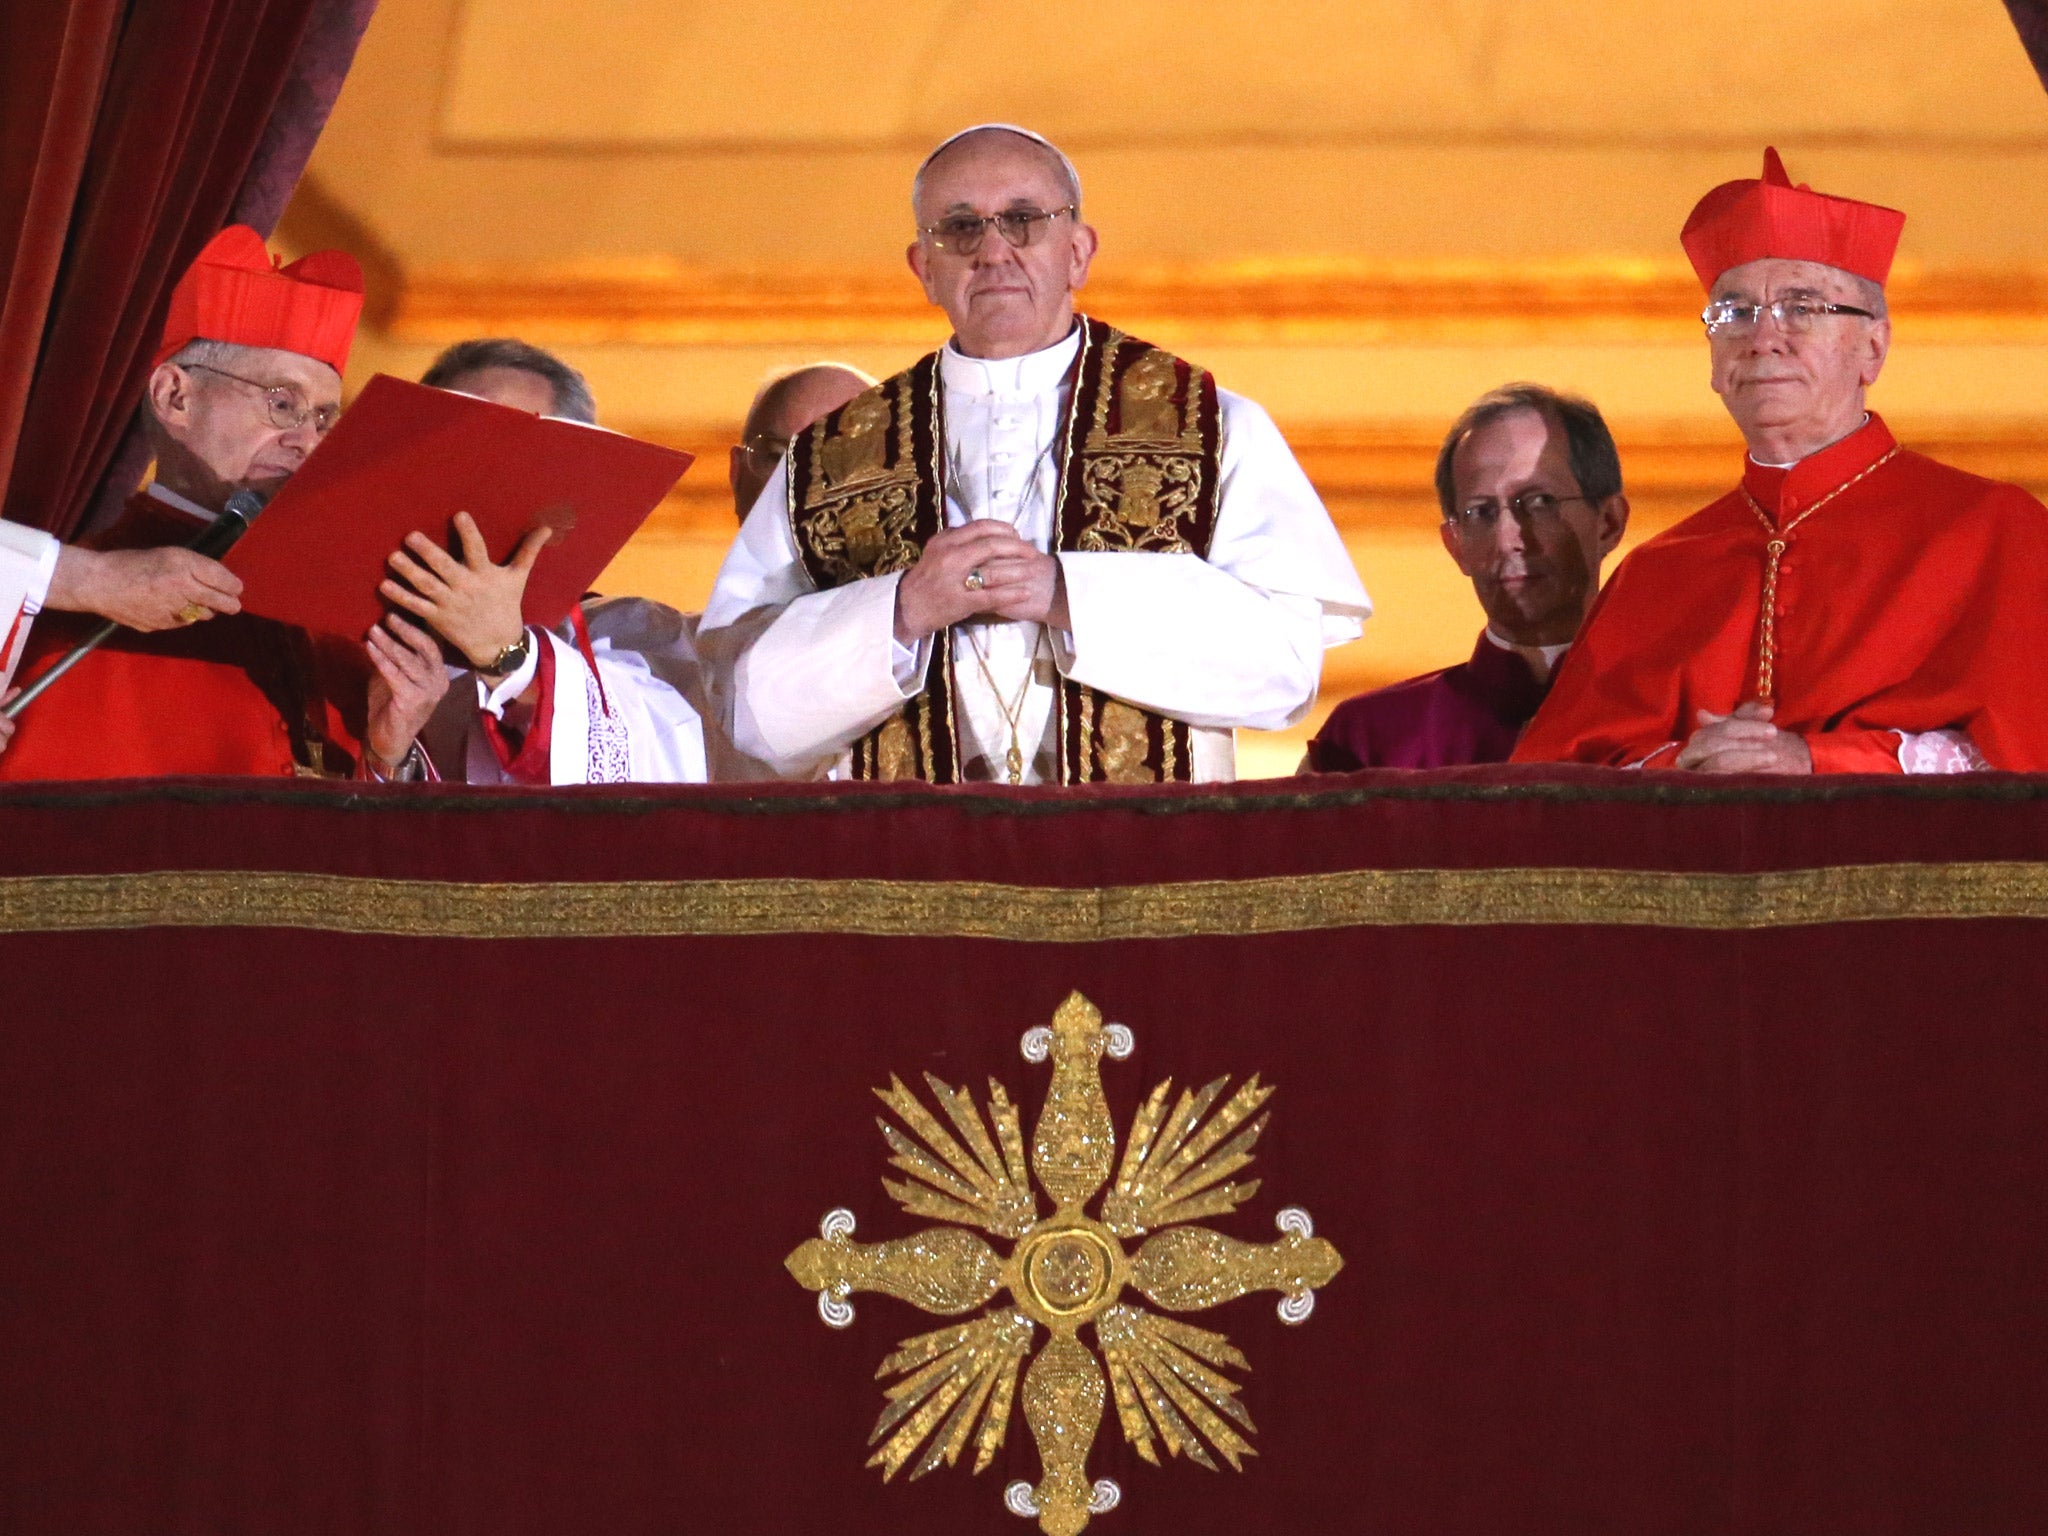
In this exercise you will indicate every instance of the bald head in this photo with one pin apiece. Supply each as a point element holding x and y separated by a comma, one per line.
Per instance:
<point>787,404</point>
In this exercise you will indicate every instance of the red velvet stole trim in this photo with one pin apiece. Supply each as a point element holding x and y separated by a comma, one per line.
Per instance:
<point>866,492</point>
<point>581,625</point>
<point>1144,479</point>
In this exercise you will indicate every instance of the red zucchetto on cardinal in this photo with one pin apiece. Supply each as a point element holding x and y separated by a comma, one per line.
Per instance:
<point>237,292</point>
<point>1744,221</point>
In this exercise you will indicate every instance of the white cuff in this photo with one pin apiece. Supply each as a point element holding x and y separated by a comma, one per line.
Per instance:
<point>820,674</point>
<point>1174,634</point>
<point>492,701</point>
<point>31,544</point>
<point>909,664</point>
<point>1940,752</point>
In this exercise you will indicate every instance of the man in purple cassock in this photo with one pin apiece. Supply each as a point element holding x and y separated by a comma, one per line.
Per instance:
<point>1530,487</point>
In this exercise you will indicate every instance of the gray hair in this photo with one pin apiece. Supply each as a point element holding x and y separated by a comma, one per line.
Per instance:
<point>1589,446</point>
<point>202,353</point>
<point>198,353</point>
<point>573,399</point>
<point>1069,177</point>
<point>1871,294</point>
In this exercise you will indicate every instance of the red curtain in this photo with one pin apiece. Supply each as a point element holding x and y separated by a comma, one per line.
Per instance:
<point>148,127</point>
<point>53,61</point>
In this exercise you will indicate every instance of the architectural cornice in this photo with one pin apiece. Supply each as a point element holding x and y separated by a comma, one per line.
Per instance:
<point>1293,302</point>
<point>1374,474</point>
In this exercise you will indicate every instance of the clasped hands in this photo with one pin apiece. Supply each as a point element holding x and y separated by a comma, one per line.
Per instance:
<point>1017,580</point>
<point>1744,741</point>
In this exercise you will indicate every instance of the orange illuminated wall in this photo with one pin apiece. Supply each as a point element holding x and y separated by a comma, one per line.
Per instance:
<point>1362,213</point>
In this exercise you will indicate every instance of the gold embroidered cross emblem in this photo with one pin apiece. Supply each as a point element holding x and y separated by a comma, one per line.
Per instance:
<point>1066,1271</point>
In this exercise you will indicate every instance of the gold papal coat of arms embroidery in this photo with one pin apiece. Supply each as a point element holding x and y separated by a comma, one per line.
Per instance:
<point>1066,1271</point>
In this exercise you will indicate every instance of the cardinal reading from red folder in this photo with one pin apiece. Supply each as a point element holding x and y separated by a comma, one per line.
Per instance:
<point>247,377</point>
<point>1851,606</point>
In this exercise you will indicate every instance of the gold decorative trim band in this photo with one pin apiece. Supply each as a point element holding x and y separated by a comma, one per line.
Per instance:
<point>1370,898</point>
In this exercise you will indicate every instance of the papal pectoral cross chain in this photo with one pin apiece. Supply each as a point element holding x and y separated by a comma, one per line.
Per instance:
<point>1013,713</point>
<point>1774,555</point>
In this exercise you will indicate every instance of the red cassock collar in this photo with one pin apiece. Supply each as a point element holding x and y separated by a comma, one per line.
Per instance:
<point>1785,493</point>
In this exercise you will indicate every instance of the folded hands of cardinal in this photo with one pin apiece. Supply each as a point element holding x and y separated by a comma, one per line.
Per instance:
<point>1744,741</point>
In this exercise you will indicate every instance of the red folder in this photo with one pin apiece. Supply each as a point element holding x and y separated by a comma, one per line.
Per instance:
<point>407,458</point>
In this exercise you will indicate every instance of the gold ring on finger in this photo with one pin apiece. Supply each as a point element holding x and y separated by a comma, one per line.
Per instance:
<point>974,580</point>
<point>191,613</point>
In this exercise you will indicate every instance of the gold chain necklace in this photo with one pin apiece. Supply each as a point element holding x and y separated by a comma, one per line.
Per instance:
<point>1774,552</point>
<point>1013,714</point>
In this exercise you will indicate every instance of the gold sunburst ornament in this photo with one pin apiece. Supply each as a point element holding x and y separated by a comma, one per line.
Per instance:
<point>1066,1271</point>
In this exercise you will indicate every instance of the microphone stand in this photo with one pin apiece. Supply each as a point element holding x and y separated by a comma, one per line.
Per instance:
<point>212,541</point>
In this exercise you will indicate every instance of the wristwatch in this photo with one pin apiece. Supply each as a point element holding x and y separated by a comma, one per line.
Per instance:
<point>513,657</point>
<point>409,769</point>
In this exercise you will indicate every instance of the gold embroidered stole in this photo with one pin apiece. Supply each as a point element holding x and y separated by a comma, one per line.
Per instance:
<point>1138,473</point>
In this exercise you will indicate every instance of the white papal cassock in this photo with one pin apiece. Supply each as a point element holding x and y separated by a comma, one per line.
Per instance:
<point>1233,640</point>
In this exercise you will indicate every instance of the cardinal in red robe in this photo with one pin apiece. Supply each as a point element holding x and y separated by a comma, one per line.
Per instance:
<point>1851,606</point>
<point>247,377</point>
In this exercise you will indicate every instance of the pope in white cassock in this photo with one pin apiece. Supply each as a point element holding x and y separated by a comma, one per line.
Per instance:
<point>1048,553</point>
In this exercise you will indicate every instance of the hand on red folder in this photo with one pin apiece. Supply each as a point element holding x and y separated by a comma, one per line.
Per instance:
<point>405,459</point>
<point>471,603</point>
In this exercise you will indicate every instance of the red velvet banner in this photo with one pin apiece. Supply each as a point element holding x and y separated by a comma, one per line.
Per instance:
<point>396,1161</point>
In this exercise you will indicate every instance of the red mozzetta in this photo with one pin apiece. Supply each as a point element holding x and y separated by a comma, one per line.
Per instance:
<point>1908,603</point>
<point>238,695</point>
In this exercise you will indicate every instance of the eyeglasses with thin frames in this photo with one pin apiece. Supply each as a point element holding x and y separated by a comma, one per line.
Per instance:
<point>281,402</point>
<point>1793,312</point>
<point>1535,509</point>
<point>961,234</point>
<point>765,449</point>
